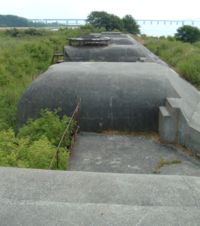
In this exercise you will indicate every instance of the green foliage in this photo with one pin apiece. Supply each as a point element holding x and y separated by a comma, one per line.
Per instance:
<point>188,33</point>
<point>36,143</point>
<point>184,57</point>
<point>90,28</point>
<point>25,32</point>
<point>102,19</point>
<point>130,25</point>
<point>40,153</point>
<point>48,125</point>
<point>22,58</point>
<point>110,22</point>
<point>190,69</point>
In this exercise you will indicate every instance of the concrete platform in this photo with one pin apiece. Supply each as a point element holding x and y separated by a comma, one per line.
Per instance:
<point>62,214</point>
<point>28,185</point>
<point>128,154</point>
<point>42,197</point>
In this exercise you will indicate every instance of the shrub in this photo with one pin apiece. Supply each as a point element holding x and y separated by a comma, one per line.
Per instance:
<point>12,149</point>
<point>22,58</point>
<point>188,33</point>
<point>48,125</point>
<point>36,143</point>
<point>102,19</point>
<point>40,153</point>
<point>130,25</point>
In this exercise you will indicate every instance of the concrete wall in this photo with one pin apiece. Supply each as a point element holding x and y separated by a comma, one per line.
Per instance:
<point>119,96</point>
<point>111,53</point>
<point>176,127</point>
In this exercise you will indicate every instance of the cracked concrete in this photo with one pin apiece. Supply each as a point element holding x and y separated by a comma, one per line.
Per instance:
<point>128,154</point>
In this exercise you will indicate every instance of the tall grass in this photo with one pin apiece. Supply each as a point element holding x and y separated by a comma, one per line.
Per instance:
<point>183,57</point>
<point>23,56</point>
<point>22,59</point>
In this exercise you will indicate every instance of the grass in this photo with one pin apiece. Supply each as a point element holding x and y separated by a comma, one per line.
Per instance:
<point>22,59</point>
<point>23,56</point>
<point>164,162</point>
<point>183,57</point>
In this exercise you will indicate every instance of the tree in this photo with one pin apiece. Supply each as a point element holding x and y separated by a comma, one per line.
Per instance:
<point>13,21</point>
<point>130,25</point>
<point>102,19</point>
<point>188,33</point>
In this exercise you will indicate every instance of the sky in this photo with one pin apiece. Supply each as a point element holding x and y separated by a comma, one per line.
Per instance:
<point>77,9</point>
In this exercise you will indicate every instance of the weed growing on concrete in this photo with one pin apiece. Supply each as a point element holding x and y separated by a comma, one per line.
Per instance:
<point>164,162</point>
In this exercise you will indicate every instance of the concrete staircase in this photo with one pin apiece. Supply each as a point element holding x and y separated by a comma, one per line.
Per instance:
<point>42,197</point>
<point>178,123</point>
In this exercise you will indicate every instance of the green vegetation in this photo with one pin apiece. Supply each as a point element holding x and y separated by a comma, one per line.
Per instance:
<point>164,162</point>
<point>130,25</point>
<point>13,21</point>
<point>35,144</point>
<point>110,22</point>
<point>188,33</point>
<point>23,57</point>
<point>183,57</point>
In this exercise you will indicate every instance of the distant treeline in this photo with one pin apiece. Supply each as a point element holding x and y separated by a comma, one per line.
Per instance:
<point>16,21</point>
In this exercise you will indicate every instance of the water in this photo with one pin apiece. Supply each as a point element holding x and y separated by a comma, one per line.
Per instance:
<point>164,28</point>
<point>148,27</point>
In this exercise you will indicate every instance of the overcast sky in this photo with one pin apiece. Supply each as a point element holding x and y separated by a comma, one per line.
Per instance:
<point>139,9</point>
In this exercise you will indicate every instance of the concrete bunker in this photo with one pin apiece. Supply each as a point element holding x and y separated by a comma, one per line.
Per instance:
<point>117,96</point>
<point>125,96</point>
<point>107,47</point>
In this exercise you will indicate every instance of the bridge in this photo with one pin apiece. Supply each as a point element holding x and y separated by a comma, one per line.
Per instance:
<point>79,22</point>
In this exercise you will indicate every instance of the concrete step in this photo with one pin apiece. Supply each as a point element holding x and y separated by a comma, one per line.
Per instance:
<point>173,104</point>
<point>167,125</point>
<point>104,188</point>
<point>164,112</point>
<point>87,214</point>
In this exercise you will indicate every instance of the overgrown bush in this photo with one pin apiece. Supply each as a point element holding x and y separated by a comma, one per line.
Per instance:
<point>25,32</point>
<point>130,25</point>
<point>22,59</point>
<point>188,33</point>
<point>36,143</point>
<point>49,125</point>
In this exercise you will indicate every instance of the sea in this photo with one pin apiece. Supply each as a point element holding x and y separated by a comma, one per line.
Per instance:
<point>164,27</point>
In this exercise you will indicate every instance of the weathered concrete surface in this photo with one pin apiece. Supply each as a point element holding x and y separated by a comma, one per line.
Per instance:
<point>84,187</point>
<point>179,122</point>
<point>119,96</point>
<point>63,214</point>
<point>117,38</point>
<point>111,53</point>
<point>122,48</point>
<point>128,154</point>
<point>42,197</point>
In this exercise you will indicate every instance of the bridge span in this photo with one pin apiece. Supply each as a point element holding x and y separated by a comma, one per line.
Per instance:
<point>79,22</point>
